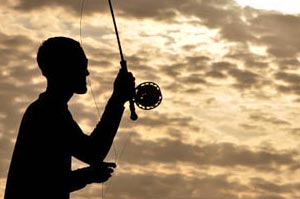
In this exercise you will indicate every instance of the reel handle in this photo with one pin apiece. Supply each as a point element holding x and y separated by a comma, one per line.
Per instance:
<point>133,115</point>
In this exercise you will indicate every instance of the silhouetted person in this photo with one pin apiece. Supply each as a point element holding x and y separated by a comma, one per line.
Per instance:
<point>48,136</point>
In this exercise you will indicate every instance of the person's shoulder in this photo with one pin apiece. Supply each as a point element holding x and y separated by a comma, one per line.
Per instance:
<point>33,107</point>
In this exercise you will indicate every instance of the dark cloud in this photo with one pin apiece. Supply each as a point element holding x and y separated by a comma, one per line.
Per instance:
<point>291,83</point>
<point>263,117</point>
<point>219,69</point>
<point>276,31</point>
<point>72,6</point>
<point>174,70</point>
<point>245,79</point>
<point>216,74</point>
<point>212,13</point>
<point>290,78</point>
<point>294,131</point>
<point>251,60</point>
<point>237,31</point>
<point>289,63</point>
<point>279,33</point>
<point>272,187</point>
<point>131,8</point>
<point>197,63</point>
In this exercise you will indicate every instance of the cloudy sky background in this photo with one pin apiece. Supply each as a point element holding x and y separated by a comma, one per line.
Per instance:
<point>228,127</point>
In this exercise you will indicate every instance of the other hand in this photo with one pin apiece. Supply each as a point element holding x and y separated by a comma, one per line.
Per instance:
<point>99,173</point>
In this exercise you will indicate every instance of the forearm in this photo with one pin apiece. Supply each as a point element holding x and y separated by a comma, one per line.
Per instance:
<point>105,131</point>
<point>77,180</point>
<point>94,148</point>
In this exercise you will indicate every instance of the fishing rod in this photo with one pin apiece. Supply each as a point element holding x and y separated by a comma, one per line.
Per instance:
<point>148,94</point>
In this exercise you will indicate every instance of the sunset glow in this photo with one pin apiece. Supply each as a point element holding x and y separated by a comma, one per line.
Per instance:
<point>229,71</point>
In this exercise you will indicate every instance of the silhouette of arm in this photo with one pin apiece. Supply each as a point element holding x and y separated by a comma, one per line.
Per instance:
<point>94,148</point>
<point>81,177</point>
<point>99,142</point>
<point>105,131</point>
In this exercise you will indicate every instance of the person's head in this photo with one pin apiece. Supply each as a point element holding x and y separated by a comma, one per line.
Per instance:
<point>62,61</point>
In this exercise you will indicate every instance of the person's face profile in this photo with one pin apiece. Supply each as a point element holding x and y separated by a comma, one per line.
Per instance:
<point>77,71</point>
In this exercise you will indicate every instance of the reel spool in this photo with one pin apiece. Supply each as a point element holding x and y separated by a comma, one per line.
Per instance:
<point>148,95</point>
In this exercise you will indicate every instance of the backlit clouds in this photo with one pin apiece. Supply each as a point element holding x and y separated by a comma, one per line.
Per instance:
<point>199,154</point>
<point>228,126</point>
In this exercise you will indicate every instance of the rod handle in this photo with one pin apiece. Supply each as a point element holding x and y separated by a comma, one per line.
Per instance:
<point>133,115</point>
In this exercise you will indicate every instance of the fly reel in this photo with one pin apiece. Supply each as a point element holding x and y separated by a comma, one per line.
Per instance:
<point>147,95</point>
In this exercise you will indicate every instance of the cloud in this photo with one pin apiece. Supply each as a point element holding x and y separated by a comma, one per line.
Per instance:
<point>174,186</point>
<point>131,8</point>
<point>211,13</point>
<point>201,186</point>
<point>278,32</point>
<point>238,31</point>
<point>273,187</point>
<point>17,88</point>
<point>72,6</point>
<point>13,48</point>
<point>234,23</point>
<point>16,79</point>
<point>290,78</point>
<point>244,78</point>
<point>291,82</point>
<point>226,155</point>
<point>263,117</point>
<point>159,120</point>
<point>6,147</point>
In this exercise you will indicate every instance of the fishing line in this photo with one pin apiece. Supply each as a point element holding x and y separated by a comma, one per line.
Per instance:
<point>116,156</point>
<point>83,3</point>
<point>146,96</point>
<point>81,17</point>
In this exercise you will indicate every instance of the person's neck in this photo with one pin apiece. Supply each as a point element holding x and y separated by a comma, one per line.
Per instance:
<point>59,92</point>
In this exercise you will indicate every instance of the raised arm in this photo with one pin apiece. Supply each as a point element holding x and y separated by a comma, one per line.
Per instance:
<point>100,141</point>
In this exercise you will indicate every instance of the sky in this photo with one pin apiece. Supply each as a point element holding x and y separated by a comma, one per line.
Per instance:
<point>229,70</point>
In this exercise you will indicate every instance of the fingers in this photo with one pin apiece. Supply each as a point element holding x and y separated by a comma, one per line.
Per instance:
<point>109,164</point>
<point>102,171</point>
<point>126,75</point>
<point>124,86</point>
<point>105,175</point>
<point>104,165</point>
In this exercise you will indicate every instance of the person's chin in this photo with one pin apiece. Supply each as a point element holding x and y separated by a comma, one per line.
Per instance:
<point>81,91</point>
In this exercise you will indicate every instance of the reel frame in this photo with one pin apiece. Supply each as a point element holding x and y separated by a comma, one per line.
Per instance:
<point>147,96</point>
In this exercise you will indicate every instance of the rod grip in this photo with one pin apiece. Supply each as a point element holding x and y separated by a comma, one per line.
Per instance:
<point>133,115</point>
